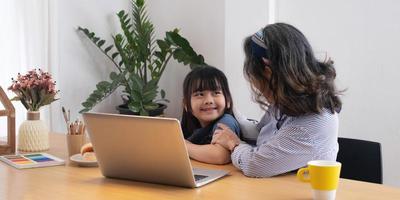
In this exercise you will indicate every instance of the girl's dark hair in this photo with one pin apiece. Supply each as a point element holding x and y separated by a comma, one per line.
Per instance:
<point>200,79</point>
<point>299,83</point>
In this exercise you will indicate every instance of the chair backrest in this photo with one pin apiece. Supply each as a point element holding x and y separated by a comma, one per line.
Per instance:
<point>361,160</point>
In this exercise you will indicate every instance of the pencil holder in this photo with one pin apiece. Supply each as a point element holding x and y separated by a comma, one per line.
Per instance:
<point>74,143</point>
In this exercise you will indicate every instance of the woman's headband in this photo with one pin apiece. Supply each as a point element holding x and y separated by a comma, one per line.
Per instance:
<point>258,46</point>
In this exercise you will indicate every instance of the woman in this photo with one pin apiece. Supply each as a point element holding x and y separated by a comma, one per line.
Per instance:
<point>302,105</point>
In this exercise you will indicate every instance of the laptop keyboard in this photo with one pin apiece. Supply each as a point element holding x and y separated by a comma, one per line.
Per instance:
<point>199,177</point>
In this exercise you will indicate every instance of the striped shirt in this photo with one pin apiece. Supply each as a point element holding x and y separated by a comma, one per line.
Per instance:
<point>288,143</point>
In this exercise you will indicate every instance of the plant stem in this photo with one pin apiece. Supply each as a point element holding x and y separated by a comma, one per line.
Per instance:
<point>116,65</point>
<point>145,72</point>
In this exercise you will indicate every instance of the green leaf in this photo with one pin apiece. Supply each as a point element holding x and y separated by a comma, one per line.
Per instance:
<point>91,100</point>
<point>46,99</point>
<point>113,76</point>
<point>199,60</point>
<point>114,55</point>
<point>134,107</point>
<point>140,3</point>
<point>103,85</point>
<point>162,93</point>
<point>175,30</point>
<point>149,96</point>
<point>137,83</point>
<point>136,95</point>
<point>181,56</point>
<point>162,44</point>
<point>95,39</point>
<point>96,95</point>
<point>108,48</point>
<point>123,18</point>
<point>84,110</point>
<point>100,43</point>
<point>87,104</point>
<point>180,41</point>
<point>121,13</point>
<point>84,30</point>
<point>151,85</point>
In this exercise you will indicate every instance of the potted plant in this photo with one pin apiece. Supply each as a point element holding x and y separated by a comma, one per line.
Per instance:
<point>139,60</point>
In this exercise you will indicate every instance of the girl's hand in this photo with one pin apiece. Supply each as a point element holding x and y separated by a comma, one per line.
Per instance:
<point>225,137</point>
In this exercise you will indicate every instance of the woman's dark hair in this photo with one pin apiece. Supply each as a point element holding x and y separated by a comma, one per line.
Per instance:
<point>299,83</point>
<point>200,79</point>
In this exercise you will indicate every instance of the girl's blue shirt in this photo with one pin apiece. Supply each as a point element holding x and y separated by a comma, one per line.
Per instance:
<point>204,135</point>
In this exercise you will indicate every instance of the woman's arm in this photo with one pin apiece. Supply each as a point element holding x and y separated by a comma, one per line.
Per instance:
<point>209,153</point>
<point>282,154</point>
<point>304,139</point>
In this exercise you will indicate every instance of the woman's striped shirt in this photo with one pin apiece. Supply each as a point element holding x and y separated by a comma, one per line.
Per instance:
<point>288,143</point>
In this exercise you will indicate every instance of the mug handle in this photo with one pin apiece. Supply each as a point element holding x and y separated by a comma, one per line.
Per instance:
<point>300,174</point>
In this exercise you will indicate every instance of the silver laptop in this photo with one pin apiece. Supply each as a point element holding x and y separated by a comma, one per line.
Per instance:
<point>147,149</point>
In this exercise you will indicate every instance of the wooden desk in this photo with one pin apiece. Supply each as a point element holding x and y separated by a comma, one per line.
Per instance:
<point>73,182</point>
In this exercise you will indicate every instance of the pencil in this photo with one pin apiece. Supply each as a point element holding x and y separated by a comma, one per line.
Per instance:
<point>66,118</point>
<point>64,114</point>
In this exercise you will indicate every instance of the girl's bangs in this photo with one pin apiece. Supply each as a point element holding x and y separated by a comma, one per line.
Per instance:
<point>205,83</point>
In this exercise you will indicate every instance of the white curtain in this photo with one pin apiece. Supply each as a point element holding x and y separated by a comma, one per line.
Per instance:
<point>26,42</point>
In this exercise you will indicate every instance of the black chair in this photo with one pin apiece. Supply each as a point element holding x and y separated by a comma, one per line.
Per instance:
<point>361,160</point>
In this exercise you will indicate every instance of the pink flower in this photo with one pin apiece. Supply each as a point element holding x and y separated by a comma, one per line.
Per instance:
<point>34,89</point>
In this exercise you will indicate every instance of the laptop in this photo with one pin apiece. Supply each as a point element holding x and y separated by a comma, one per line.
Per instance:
<point>147,149</point>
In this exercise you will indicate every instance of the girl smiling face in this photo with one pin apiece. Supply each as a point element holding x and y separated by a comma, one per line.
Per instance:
<point>207,105</point>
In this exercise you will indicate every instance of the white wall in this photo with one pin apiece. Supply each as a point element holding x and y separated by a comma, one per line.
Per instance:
<point>363,39</point>
<point>80,64</point>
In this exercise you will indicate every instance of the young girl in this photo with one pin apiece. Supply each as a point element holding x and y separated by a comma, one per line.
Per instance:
<point>301,121</point>
<point>206,102</point>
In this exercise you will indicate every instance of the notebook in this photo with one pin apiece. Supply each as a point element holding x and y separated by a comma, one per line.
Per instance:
<point>32,160</point>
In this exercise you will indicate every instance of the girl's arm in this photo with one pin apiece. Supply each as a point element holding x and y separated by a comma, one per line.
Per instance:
<point>209,153</point>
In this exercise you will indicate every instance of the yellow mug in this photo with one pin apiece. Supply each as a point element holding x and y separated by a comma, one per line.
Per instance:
<point>323,175</point>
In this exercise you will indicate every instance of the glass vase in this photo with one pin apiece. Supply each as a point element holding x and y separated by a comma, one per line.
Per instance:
<point>33,134</point>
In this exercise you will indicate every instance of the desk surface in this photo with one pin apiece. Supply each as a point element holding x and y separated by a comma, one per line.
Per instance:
<point>73,182</point>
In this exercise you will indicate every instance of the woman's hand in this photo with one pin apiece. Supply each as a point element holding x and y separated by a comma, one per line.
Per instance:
<point>225,137</point>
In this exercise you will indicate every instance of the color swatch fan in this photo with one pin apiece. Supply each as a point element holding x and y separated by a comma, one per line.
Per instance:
<point>33,160</point>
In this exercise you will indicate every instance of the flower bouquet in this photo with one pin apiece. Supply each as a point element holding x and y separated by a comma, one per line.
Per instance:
<point>34,89</point>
